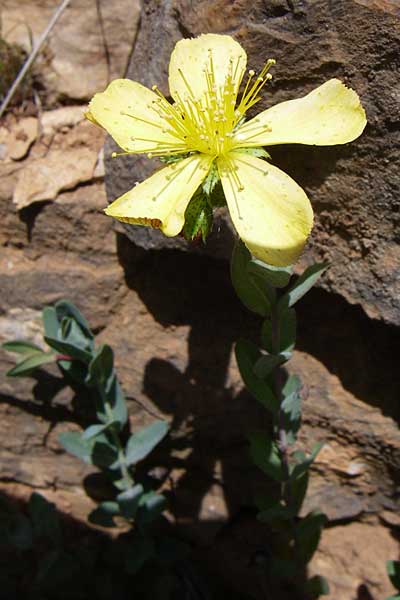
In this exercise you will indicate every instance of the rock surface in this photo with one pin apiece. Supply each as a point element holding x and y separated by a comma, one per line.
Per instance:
<point>354,188</point>
<point>88,46</point>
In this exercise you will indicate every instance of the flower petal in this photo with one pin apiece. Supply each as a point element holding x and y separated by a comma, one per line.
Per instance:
<point>161,200</point>
<point>128,111</point>
<point>192,59</point>
<point>270,212</point>
<point>330,114</point>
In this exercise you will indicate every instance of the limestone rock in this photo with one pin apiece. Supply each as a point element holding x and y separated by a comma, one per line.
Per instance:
<point>21,137</point>
<point>354,188</point>
<point>74,62</point>
<point>60,170</point>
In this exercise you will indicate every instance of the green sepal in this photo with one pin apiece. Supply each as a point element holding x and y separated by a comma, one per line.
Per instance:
<point>198,218</point>
<point>211,180</point>
<point>258,152</point>
<point>174,158</point>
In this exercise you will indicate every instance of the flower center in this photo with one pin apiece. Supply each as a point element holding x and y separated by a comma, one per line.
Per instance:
<point>206,124</point>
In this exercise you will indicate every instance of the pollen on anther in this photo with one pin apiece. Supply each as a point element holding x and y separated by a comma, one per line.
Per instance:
<point>113,155</point>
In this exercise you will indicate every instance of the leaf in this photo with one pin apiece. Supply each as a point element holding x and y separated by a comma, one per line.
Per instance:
<point>139,551</point>
<point>66,308</point>
<point>393,570</point>
<point>247,355</point>
<point>308,534</point>
<point>74,369</point>
<point>301,468</point>
<point>116,399</point>
<point>287,332</point>
<point>302,285</point>
<point>50,322</point>
<point>276,276</point>
<point>94,430</point>
<point>21,347</point>
<point>44,518</point>
<point>69,349</point>
<point>73,334</point>
<point>277,511</point>
<point>73,443</point>
<point>104,454</point>
<point>104,513</point>
<point>19,532</point>
<point>317,586</point>
<point>267,363</point>
<point>298,489</point>
<point>282,569</point>
<point>141,443</point>
<point>265,455</point>
<point>30,363</point>
<point>291,409</point>
<point>151,506</point>
<point>101,366</point>
<point>250,295</point>
<point>128,501</point>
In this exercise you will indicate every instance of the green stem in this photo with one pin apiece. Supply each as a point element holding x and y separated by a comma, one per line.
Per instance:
<point>115,437</point>
<point>278,385</point>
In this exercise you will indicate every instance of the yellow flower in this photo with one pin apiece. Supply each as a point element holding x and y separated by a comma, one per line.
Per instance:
<point>205,123</point>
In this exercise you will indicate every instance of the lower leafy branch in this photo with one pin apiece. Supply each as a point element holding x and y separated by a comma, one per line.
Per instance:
<point>269,292</point>
<point>107,443</point>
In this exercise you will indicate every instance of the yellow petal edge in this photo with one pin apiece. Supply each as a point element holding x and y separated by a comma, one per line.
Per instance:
<point>161,200</point>
<point>271,213</point>
<point>331,114</point>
